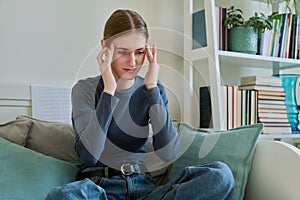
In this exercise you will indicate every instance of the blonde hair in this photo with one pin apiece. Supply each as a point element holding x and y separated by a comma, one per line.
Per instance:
<point>123,21</point>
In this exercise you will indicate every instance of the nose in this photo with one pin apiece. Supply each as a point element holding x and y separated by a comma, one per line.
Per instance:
<point>132,59</point>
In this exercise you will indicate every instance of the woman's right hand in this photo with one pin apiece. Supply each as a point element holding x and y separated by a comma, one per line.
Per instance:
<point>104,59</point>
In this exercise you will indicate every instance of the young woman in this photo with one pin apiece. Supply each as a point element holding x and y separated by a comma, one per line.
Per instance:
<point>111,116</point>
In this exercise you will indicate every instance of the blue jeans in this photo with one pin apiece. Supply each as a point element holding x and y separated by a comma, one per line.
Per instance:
<point>208,181</point>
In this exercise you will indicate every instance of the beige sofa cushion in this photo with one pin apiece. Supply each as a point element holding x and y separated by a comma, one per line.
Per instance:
<point>16,131</point>
<point>51,138</point>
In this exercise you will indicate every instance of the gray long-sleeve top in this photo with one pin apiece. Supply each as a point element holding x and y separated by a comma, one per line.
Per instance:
<point>113,130</point>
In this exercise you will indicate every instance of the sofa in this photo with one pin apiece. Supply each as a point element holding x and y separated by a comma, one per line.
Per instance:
<point>37,156</point>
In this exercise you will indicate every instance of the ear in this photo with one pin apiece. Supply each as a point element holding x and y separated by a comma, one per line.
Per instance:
<point>102,42</point>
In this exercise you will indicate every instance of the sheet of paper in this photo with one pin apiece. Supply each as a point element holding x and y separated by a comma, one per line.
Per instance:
<point>51,103</point>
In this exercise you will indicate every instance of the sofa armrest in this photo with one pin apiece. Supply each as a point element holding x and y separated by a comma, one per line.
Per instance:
<point>275,172</point>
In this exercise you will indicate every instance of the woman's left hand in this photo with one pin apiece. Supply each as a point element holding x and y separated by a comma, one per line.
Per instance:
<point>151,76</point>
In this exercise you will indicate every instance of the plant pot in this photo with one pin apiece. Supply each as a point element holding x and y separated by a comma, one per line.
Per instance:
<point>243,39</point>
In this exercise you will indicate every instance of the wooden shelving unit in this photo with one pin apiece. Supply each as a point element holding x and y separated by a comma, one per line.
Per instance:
<point>215,59</point>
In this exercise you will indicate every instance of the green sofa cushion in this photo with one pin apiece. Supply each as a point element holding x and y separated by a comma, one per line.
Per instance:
<point>234,147</point>
<point>26,174</point>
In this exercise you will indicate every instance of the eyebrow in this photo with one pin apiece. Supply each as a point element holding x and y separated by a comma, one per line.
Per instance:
<point>125,49</point>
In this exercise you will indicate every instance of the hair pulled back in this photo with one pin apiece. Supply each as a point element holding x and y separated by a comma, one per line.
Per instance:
<point>123,21</point>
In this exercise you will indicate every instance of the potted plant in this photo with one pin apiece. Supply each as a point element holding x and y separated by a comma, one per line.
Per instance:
<point>243,34</point>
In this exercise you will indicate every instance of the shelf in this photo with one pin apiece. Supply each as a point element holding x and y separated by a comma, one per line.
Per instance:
<point>279,136</point>
<point>220,59</point>
<point>274,1</point>
<point>258,61</point>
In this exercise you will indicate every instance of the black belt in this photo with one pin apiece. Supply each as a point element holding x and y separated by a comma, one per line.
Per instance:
<point>107,172</point>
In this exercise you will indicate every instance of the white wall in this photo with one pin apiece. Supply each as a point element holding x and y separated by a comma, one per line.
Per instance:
<point>55,42</point>
<point>45,41</point>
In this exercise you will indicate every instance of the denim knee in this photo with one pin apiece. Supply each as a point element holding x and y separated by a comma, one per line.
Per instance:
<point>224,176</point>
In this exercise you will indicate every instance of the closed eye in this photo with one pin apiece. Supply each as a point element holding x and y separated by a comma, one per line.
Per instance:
<point>122,52</point>
<point>140,52</point>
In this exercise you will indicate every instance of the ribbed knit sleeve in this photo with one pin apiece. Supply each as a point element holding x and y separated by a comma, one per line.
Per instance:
<point>90,123</point>
<point>165,137</point>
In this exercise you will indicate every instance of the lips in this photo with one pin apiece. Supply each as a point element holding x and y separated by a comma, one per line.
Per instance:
<point>130,70</point>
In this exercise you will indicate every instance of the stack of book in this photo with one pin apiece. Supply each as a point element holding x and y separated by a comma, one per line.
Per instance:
<point>270,100</point>
<point>257,99</point>
<point>236,109</point>
<point>199,29</point>
<point>283,39</point>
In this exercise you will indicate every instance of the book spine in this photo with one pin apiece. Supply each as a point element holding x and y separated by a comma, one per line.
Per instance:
<point>244,106</point>
<point>205,108</point>
<point>238,107</point>
<point>199,29</point>
<point>293,37</point>
<point>288,36</point>
<point>276,37</point>
<point>282,34</point>
<point>297,40</point>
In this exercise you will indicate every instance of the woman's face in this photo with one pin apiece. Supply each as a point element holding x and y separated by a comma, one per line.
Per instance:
<point>129,55</point>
